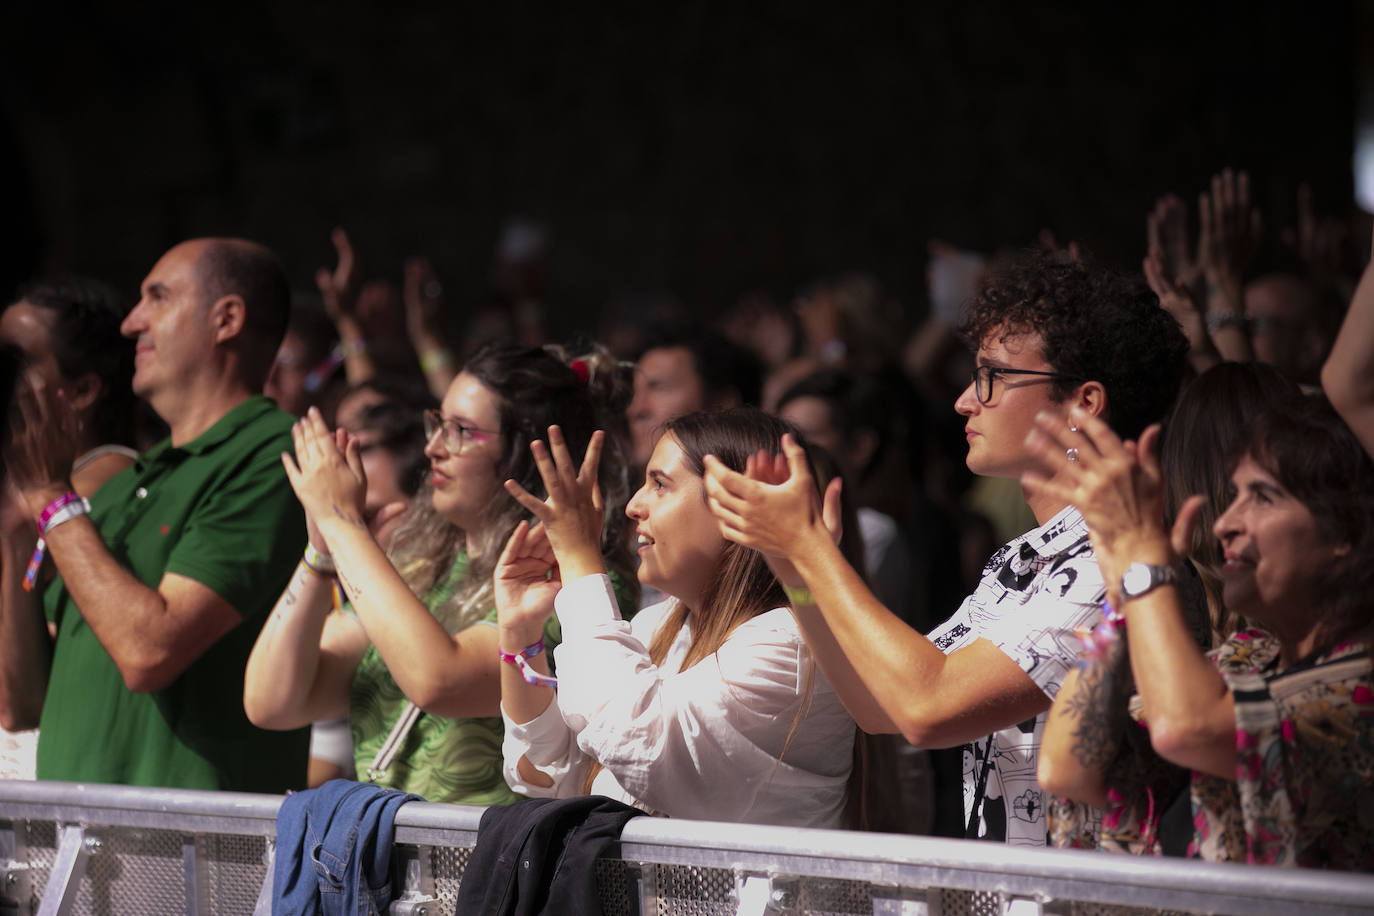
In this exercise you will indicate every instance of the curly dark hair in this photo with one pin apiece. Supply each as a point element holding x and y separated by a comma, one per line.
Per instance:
<point>1094,325</point>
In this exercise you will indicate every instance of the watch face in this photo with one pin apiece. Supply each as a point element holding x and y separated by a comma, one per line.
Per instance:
<point>1136,580</point>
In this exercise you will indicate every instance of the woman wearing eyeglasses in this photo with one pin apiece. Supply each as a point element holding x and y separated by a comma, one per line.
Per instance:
<point>415,665</point>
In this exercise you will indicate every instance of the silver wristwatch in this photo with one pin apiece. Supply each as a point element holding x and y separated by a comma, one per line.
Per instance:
<point>1143,578</point>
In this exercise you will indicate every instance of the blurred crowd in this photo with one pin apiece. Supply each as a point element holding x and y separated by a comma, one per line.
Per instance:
<point>257,538</point>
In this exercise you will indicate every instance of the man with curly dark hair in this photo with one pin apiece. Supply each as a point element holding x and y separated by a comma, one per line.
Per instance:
<point>1051,336</point>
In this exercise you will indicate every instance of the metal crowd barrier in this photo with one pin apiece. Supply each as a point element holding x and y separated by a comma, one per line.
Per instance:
<point>92,849</point>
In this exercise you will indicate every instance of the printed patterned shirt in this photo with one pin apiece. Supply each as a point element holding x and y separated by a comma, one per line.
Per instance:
<point>1304,788</point>
<point>1034,593</point>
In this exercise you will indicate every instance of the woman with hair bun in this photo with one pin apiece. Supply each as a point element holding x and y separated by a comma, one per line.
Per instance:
<point>414,663</point>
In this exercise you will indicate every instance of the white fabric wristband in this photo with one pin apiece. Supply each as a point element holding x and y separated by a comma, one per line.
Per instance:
<point>318,562</point>
<point>68,512</point>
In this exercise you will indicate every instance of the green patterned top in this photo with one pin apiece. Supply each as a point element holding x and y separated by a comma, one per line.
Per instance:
<point>442,760</point>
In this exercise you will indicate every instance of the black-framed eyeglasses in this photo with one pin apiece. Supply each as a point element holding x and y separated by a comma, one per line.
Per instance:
<point>456,435</point>
<point>983,377</point>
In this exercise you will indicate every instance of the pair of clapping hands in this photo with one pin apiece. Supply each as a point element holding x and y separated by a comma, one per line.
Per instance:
<point>773,507</point>
<point>328,478</point>
<point>44,438</point>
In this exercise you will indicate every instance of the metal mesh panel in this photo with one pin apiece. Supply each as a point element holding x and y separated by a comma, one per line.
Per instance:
<point>136,871</point>
<point>691,891</point>
<point>234,873</point>
<point>834,897</point>
<point>448,864</point>
<point>41,839</point>
<point>1080,908</point>
<point>613,883</point>
<point>945,902</point>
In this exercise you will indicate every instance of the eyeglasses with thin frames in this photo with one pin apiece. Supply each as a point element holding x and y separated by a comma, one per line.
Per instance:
<point>456,435</point>
<point>983,377</point>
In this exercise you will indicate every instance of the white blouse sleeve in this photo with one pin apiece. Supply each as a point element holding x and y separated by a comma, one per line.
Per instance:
<point>695,743</point>
<point>550,746</point>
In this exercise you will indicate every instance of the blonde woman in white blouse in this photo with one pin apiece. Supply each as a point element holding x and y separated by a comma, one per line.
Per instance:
<point>707,705</point>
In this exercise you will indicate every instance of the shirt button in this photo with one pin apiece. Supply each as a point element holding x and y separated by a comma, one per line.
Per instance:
<point>141,492</point>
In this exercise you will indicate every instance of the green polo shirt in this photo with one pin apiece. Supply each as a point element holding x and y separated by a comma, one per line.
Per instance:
<point>218,510</point>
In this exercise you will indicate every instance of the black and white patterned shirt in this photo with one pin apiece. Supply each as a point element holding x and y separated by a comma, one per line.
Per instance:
<point>1035,591</point>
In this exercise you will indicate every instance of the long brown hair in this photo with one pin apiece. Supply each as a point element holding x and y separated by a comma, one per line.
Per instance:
<point>741,586</point>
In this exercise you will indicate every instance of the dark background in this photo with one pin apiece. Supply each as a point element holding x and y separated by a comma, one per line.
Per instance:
<point>703,149</point>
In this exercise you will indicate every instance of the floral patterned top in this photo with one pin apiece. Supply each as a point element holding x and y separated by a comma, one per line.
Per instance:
<point>1304,788</point>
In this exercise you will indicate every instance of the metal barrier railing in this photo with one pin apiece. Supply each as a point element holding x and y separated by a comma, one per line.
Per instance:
<point>93,849</point>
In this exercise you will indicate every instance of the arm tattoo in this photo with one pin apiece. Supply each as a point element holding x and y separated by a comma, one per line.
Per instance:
<point>349,586</point>
<point>1099,705</point>
<point>348,516</point>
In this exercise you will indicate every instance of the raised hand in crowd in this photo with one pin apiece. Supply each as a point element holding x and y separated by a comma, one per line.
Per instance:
<point>340,289</point>
<point>1228,239</point>
<point>423,296</point>
<point>1166,230</point>
<point>1321,243</point>
<point>1176,298</point>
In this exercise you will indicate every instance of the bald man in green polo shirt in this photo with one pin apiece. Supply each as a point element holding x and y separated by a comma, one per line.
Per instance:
<point>164,583</point>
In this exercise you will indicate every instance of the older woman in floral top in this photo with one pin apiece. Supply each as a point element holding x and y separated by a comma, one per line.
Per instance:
<point>1277,725</point>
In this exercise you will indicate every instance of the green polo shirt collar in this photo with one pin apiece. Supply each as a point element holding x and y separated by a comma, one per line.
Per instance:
<point>224,428</point>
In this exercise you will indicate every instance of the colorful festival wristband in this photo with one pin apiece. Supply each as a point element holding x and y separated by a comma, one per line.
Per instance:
<point>63,509</point>
<point>520,661</point>
<point>318,562</point>
<point>45,518</point>
<point>1098,642</point>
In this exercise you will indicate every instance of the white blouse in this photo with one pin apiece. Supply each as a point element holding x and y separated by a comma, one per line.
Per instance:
<point>702,743</point>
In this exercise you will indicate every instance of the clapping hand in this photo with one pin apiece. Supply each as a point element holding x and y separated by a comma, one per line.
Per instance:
<point>527,580</point>
<point>773,506</point>
<point>1117,486</point>
<point>44,439</point>
<point>327,475</point>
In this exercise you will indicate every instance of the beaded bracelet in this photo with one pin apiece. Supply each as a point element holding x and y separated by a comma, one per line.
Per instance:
<point>1098,642</point>
<point>519,660</point>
